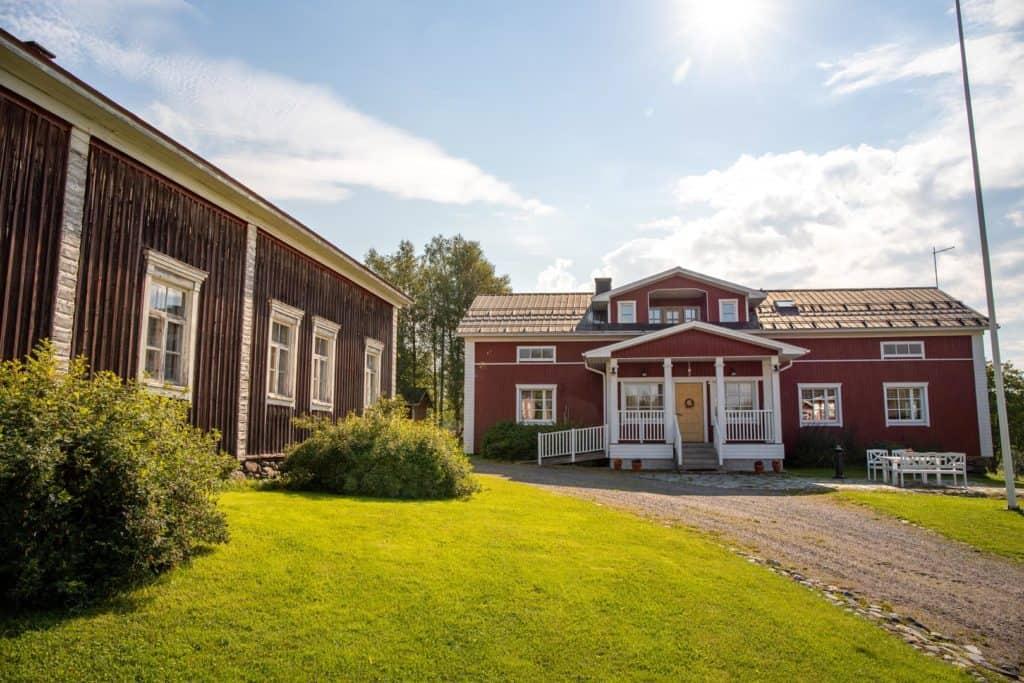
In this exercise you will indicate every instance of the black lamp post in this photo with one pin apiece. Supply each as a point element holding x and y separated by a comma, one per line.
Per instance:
<point>839,461</point>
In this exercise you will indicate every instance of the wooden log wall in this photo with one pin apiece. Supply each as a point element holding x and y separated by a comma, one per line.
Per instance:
<point>292,278</point>
<point>130,209</point>
<point>33,163</point>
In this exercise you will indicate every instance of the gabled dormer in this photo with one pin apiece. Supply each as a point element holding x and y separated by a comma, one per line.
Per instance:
<point>673,297</point>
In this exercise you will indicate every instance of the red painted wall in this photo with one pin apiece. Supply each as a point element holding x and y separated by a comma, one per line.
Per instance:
<point>854,363</point>
<point>640,295</point>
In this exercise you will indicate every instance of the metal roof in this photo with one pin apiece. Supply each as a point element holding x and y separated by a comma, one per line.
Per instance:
<point>814,309</point>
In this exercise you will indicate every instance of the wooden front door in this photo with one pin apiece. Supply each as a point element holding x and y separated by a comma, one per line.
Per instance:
<point>690,410</point>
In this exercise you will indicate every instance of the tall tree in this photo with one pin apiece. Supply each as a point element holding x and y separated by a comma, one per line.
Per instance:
<point>443,281</point>
<point>1013,385</point>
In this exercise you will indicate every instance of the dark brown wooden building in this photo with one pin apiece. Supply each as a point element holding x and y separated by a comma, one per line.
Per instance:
<point>121,245</point>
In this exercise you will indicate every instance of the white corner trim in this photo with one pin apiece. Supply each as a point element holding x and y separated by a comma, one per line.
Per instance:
<point>469,398</point>
<point>981,396</point>
<point>66,294</point>
<point>245,358</point>
<point>394,351</point>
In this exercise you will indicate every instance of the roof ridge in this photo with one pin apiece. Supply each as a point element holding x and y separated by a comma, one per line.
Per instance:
<point>853,289</point>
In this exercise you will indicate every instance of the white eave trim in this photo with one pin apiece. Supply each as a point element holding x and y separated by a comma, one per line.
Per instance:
<point>781,348</point>
<point>42,83</point>
<point>753,294</point>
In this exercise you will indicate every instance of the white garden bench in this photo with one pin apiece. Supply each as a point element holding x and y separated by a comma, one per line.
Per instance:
<point>925,464</point>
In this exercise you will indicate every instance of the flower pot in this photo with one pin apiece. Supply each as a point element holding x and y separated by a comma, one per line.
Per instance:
<point>759,466</point>
<point>617,463</point>
<point>776,466</point>
<point>637,465</point>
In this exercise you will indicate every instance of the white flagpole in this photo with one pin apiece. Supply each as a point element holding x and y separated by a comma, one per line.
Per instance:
<point>993,327</point>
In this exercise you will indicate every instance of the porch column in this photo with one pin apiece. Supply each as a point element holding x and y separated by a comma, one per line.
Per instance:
<point>767,393</point>
<point>720,400</point>
<point>613,401</point>
<point>776,401</point>
<point>669,403</point>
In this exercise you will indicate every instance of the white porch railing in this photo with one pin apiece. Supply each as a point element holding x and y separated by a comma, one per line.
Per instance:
<point>571,442</point>
<point>749,425</point>
<point>642,425</point>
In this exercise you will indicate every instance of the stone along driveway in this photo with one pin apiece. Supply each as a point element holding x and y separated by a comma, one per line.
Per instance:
<point>972,597</point>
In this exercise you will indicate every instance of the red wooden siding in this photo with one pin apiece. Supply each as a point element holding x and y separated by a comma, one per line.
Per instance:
<point>693,343</point>
<point>130,209</point>
<point>710,310</point>
<point>294,279</point>
<point>33,162</point>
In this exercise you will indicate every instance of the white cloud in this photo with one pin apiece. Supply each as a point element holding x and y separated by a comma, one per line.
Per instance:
<point>657,224</point>
<point>682,71</point>
<point>286,138</point>
<point>1016,217</point>
<point>558,278</point>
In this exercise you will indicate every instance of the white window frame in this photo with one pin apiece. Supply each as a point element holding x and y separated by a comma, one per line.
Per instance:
<point>324,329</point>
<point>164,270</point>
<point>721,312</point>
<point>290,317</point>
<point>618,312</point>
<point>520,359</point>
<point>926,417</point>
<point>374,347</point>
<point>695,309</point>
<point>900,356</point>
<point>520,388</point>
<point>654,315</point>
<point>625,383</point>
<point>837,387</point>
<point>755,397</point>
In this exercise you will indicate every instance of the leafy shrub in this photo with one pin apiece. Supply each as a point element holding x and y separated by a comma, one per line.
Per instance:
<point>382,454</point>
<point>514,441</point>
<point>102,484</point>
<point>815,447</point>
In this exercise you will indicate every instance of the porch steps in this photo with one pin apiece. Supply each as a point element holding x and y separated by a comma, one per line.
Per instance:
<point>699,456</point>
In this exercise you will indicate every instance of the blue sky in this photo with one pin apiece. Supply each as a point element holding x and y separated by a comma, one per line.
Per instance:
<point>773,143</point>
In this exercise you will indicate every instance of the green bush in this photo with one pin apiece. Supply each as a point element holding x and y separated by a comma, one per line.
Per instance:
<point>102,484</point>
<point>515,441</point>
<point>815,447</point>
<point>382,454</point>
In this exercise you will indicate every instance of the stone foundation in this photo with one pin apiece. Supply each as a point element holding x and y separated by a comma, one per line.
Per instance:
<point>262,468</point>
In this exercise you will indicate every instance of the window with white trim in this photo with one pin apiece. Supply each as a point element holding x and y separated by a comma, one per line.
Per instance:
<point>325,342</point>
<point>740,395</point>
<point>535,403</point>
<point>654,316</point>
<point>906,404</point>
<point>729,310</point>
<point>170,309</point>
<point>666,315</point>
<point>282,359</point>
<point>902,349</point>
<point>691,313</point>
<point>643,396</point>
<point>627,312</point>
<point>372,371</point>
<point>535,354</point>
<point>821,405</point>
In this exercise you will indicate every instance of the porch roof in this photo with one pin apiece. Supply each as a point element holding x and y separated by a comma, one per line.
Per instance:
<point>741,343</point>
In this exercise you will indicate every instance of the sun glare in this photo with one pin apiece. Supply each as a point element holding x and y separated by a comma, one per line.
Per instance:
<point>724,25</point>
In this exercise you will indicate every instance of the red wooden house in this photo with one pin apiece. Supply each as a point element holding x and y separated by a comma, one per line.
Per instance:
<point>683,369</point>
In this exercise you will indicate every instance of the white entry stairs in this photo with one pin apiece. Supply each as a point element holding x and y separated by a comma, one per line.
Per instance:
<point>699,456</point>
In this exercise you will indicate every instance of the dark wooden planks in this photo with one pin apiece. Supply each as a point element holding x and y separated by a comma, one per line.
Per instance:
<point>33,164</point>
<point>129,209</point>
<point>292,278</point>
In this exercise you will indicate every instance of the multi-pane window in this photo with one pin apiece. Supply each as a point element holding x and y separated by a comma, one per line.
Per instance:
<point>910,349</point>
<point>654,316</point>
<point>691,313</point>
<point>906,403</point>
<point>669,316</point>
<point>372,371</point>
<point>321,392</point>
<point>535,354</point>
<point>282,353</point>
<point>536,403</point>
<point>672,316</point>
<point>728,310</point>
<point>627,311</point>
<point>643,396</point>
<point>821,404</point>
<point>739,395</point>
<point>169,324</point>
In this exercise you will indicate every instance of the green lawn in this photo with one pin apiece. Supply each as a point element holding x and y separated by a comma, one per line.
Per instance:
<point>984,523</point>
<point>515,584</point>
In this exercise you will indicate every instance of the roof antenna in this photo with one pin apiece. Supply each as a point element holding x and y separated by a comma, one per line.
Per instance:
<point>935,261</point>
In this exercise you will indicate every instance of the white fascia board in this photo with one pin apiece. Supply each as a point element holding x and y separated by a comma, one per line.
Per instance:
<point>781,347</point>
<point>53,89</point>
<point>881,332</point>
<point>754,294</point>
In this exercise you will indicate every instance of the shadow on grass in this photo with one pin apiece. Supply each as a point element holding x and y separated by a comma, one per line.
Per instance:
<point>14,621</point>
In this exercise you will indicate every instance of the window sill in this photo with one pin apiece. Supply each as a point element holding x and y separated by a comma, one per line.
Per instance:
<point>907,424</point>
<point>282,401</point>
<point>536,422</point>
<point>169,390</point>
<point>317,405</point>
<point>821,424</point>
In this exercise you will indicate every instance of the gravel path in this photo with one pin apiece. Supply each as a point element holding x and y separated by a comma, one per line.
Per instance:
<point>951,588</point>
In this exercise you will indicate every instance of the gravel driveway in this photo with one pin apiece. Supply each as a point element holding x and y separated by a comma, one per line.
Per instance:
<point>947,586</point>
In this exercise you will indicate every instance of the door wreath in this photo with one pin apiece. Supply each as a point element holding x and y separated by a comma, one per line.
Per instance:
<point>689,403</point>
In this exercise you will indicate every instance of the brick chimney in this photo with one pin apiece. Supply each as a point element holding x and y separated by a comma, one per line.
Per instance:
<point>602,285</point>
